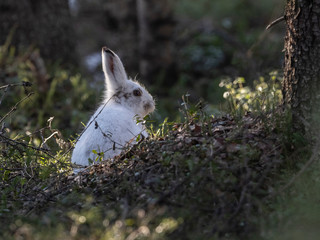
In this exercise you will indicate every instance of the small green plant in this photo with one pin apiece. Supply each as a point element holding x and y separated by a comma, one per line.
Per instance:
<point>265,96</point>
<point>160,131</point>
<point>98,157</point>
<point>190,114</point>
<point>193,112</point>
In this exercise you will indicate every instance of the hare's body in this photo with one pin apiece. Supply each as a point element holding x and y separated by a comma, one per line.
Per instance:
<point>114,125</point>
<point>107,137</point>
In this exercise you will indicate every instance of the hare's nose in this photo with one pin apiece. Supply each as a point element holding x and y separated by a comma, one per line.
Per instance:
<point>148,107</point>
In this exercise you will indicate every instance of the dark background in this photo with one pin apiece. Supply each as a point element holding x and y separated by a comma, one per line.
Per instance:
<point>173,47</point>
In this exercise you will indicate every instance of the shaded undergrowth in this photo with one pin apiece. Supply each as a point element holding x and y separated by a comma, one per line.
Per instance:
<point>205,178</point>
<point>202,178</point>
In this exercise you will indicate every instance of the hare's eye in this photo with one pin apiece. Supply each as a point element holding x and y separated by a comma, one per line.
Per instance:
<point>137,92</point>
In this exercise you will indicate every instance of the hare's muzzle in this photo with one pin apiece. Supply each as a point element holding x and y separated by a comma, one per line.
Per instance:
<point>148,107</point>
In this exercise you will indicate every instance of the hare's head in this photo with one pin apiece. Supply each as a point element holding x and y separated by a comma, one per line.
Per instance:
<point>119,89</point>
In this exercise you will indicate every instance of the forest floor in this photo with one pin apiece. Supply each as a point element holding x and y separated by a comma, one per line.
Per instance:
<point>205,178</point>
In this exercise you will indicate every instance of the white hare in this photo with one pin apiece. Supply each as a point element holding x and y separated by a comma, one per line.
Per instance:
<point>114,124</point>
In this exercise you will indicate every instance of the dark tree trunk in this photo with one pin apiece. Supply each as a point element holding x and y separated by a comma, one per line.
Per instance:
<point>302,62</point>
<point>46,25</point>
<point>156,46</point>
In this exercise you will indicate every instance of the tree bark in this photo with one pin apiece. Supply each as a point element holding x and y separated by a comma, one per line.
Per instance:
<point>302,62</point>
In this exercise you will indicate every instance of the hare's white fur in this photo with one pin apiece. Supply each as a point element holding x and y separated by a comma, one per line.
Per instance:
<point>114,124</point>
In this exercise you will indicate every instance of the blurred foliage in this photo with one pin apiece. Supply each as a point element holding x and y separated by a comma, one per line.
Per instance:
<point>218,40</point>
<point>66,96</point>
<point>213,40</point>
<point>294,211</point>
<point>43,24</point>
<point>246,19</point>
<point>264,98</point>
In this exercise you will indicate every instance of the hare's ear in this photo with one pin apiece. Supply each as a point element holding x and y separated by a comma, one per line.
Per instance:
<point>113,69</point>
